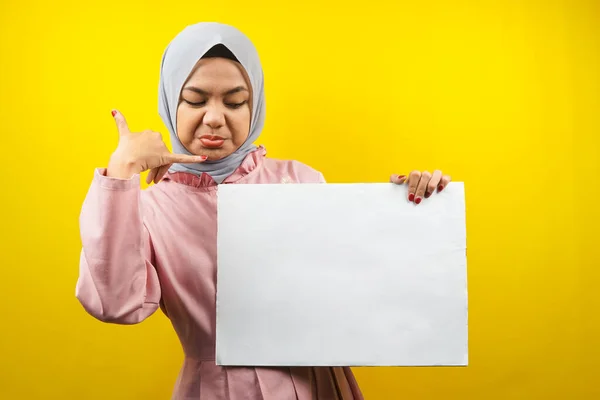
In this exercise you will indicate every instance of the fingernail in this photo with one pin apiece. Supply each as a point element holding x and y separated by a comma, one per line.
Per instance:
<point>204,157</point>
<point>401,177</point>
<point>411,197</point>
<point>418,200</point>
<point>113,113</point>
<point>427,194</point>
<point>440,188</point>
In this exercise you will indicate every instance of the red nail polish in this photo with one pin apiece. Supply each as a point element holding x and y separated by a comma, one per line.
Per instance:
<point>411,197</point>
<point>440,188</point>
<point>418,200</point>
<point>427,194</point>
<point>401,176</point>
<point>113,113</point>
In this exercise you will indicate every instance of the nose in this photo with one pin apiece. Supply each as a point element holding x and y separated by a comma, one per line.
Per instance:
<point>214,117</point>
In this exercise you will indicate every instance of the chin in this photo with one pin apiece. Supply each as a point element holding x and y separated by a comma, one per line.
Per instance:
<point>214,154</point>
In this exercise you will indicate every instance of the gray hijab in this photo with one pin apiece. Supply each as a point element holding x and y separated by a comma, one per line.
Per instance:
<point>179,58</point>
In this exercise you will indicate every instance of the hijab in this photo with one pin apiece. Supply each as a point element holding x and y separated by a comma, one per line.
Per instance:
<point>178,61</point>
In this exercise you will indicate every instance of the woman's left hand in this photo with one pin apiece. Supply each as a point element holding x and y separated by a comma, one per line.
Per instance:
<point>422,185</point>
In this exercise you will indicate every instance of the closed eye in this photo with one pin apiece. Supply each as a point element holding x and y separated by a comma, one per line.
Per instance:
<point>199,104</point>
<point>235,105</point>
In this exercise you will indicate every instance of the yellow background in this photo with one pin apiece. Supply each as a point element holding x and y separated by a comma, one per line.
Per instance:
<point>503,95</point>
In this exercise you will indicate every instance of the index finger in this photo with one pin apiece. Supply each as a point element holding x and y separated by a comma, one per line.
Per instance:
<point>185,159</point>
<point>413,181</point>
<point>122,126</point>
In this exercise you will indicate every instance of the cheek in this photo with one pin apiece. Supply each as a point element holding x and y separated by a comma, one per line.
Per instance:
<point>241,127</point>
<point>185,124</point>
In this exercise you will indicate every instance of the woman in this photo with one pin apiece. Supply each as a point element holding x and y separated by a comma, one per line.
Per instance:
<point>157,248</point>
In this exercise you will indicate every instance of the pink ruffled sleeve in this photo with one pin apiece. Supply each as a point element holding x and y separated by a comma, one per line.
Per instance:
<point>117,281</point>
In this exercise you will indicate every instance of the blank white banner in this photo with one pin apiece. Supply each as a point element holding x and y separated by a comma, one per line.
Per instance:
<point>340,275</point>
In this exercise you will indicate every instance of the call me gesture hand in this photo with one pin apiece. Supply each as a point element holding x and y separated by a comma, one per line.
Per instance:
<point>139,152</point>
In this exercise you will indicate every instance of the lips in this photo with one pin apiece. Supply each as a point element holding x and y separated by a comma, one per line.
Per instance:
<point>212,141</point>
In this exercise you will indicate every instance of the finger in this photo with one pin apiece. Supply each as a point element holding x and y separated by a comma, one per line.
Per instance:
<point>443,183</point>
<point>183,159</point>
<point>121,123</point>
<point>433,183</point>
<point>413,181</point>
<point>162,171</point>
<point>422,186</point>
<point>398,179</point>
<point>151,175</point>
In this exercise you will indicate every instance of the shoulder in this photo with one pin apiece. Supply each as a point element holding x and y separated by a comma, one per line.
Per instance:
<point>292,171</point>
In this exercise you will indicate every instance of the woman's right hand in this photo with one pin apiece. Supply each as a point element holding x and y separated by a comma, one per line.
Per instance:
<point>139,152</point>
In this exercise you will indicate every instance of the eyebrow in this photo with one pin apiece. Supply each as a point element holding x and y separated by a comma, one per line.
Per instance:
<point>205,93</point>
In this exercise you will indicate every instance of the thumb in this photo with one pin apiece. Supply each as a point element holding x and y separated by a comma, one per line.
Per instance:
<point>121,122</point>
<point>185,159</point>
<point>398,179</point>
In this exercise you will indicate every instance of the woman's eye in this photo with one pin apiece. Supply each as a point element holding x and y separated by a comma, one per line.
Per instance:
<point>235,105</point>
<point>198,104</point>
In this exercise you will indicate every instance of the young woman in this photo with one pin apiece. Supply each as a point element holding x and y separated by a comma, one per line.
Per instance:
<point>157,248</point>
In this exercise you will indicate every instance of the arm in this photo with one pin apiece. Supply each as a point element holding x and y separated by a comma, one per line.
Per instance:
<point>117,282</point>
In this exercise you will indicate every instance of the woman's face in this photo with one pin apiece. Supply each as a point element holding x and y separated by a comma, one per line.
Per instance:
<point>213,115</point>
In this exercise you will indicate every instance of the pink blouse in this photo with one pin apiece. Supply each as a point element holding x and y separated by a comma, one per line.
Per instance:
<point>145,249</point>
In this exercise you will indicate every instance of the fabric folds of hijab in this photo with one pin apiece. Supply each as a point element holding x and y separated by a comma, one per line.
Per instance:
<point>178,61</point>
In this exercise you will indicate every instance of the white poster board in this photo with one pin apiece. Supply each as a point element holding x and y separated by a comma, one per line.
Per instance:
<point>340,275</point>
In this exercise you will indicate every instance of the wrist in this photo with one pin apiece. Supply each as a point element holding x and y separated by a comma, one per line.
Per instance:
<point>121,169</point>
